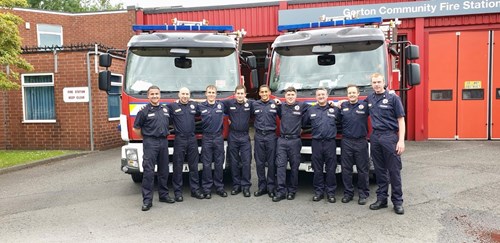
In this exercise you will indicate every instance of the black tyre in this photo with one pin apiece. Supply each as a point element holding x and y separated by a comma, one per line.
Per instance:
<point>137,178</point>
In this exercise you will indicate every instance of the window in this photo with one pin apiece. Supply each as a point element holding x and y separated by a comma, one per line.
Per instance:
<point>441,94</point>
<point>114,108</point>
<point>49,35</point>
<point>473,94</point>
<point>38,98</point>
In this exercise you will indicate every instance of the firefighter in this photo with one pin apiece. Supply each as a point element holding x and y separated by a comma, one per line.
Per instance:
<point>183,114</point>
<point>151,123</point>
<point>289,144</point>
<point>387,143</point>
<point>265,112</point>
<point>239,148</point>
<point>354,117</point>
<point>212,143</point>
<point>322,118</point>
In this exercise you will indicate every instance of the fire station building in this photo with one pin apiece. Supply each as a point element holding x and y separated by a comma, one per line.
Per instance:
<point>60,107</point>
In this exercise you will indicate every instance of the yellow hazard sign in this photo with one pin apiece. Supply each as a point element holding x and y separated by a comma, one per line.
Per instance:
<point>472,85</point>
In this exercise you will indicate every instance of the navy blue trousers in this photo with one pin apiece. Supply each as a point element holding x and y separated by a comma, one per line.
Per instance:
<point>185,148</point>
<point>239,152</point>
<point>265,153</point>
<point>155,153</point>
<point>324,163</point>
<point>288,150</point>
<point>355,152</point>
<point>212,150</point>
<point>387,165</point>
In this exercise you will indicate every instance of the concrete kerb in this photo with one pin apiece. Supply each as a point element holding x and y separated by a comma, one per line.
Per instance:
<point>43,162</point>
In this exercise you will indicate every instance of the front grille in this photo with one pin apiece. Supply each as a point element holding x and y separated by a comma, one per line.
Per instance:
<point>307,129</point>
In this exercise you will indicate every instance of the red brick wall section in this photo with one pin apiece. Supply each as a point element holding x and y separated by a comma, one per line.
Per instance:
<point>71,129</point>
<point>112,28</point>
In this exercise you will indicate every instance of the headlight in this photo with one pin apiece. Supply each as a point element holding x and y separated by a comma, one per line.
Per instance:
<point>131,154</point>
<point>132,157</point>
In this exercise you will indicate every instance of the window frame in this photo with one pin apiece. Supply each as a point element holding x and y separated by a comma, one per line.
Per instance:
<point>24,85</point>
<point>38,32</point>
<point>116,84</point>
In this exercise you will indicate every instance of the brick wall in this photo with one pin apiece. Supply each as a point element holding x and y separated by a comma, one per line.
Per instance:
<point>72,127</point>
<point>113,28</point>
<point>3,120</point>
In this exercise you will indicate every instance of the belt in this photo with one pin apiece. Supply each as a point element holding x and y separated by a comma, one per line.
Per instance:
<point>154,137</point>
<point>289,136</point>
<point>184,134</point>
<point>212,133</point>
<point>324,139</point>
<point>236,131</point>
<point>360,138</point>
<point>384,131</point>
<point>264,132</point>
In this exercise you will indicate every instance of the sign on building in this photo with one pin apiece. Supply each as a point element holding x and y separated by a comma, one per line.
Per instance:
<point>76,94</point>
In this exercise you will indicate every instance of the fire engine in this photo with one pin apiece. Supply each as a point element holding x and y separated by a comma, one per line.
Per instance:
<point>184,54</point>
<point>333,53</point>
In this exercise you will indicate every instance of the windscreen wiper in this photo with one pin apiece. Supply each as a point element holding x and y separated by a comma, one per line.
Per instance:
<point>169,91</point>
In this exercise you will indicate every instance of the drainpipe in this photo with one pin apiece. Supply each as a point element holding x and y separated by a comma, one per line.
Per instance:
<point>56,70</point>
<point>89,85</point>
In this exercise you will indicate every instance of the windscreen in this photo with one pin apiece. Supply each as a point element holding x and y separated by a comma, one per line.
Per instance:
<point>353,63</point>
<point>156,66</point>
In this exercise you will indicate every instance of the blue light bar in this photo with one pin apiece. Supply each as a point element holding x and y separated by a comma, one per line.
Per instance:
<point>220,28</point>
<point>340,22</point>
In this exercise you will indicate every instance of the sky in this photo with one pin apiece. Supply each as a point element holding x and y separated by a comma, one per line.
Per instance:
<point>184,3</point>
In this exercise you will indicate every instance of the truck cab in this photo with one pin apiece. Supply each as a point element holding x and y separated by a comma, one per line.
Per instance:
<point>185,54</point>
<point>333,54</point>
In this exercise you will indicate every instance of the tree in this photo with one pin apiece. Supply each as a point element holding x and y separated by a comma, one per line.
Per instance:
<point>100,5</point>
<point>57,5</point>
<point>74,6</point>
<point>10,46</point>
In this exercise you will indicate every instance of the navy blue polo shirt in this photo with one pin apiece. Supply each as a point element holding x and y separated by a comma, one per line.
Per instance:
<point>385,109</point>
<point>354,119</point>
<point>153,121</point>
<point>323,121</point>
<point>265,115</point>
<point>183,116</point>
<point>239,114</point>
<point>212,116</point>
<point>291,117</point>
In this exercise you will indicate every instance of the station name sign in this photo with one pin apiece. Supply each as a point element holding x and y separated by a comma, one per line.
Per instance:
<point>400,10</point>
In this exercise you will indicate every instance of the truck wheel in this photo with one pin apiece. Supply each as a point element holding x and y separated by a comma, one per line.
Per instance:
<point>137,178</point>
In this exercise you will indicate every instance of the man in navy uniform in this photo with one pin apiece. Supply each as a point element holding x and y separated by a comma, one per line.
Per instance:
<point>185,145</point>
<point>322,118</point>
<point>289,144</point>
<point>354,116</point>
<point>387,143</point>
<point>151,123</point>
<point>265,112</point>
<point>212,143</point>
<point>239,148</point>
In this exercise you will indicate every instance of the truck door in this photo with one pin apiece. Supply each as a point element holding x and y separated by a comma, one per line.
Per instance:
<point>460,82</point>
